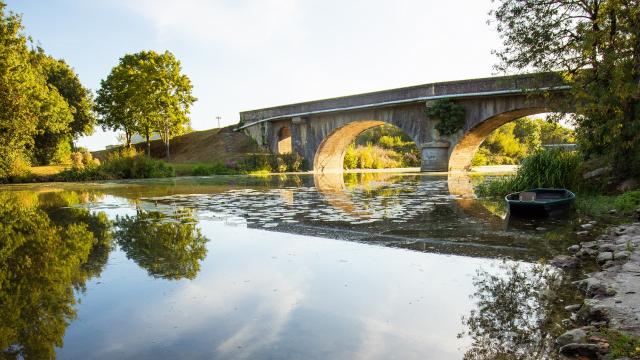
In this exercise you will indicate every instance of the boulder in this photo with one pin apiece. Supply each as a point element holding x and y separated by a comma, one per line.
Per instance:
<point>607,247</point>
<point>572,336</point>
<point>580,349</point>
<point>621,255</point>
<point>604,257</point>
<point>573,249</point>
<point>565,262</point>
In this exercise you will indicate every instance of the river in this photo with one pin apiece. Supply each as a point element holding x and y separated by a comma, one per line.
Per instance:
<point>371,266</point>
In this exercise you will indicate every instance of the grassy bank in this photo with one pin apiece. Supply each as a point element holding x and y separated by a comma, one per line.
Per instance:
<point>560,169</point>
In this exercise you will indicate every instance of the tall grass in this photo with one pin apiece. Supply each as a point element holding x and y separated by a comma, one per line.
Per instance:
<point>543,169</point>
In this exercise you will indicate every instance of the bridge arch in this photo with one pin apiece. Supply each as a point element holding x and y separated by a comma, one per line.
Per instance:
<point>330,153</point>
<point>284,140</point>
<point>465,148</point>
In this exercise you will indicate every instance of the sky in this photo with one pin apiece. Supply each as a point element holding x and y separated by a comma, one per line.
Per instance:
<point>249,54</point>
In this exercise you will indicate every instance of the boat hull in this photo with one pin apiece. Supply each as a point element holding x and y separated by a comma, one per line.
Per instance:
<point>541,208</point>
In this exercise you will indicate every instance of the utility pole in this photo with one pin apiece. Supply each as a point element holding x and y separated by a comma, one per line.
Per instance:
<point>218,118</point>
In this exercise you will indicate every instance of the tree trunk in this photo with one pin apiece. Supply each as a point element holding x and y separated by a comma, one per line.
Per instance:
<point>148,144</point>
<point>166,136</point>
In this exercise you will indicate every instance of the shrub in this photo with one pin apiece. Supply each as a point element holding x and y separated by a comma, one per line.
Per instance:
<point>62,153</point>
<point>132,165</point>
<point>545,168</point>
<point>125,164</point>
<point>451,116</point>
<point>267,163</point>
<point>374,157</point>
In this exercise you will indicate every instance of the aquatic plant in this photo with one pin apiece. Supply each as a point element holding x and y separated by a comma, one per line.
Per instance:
<point>544,169</point>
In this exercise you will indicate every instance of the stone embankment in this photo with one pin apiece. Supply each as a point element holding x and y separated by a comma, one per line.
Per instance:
<point>612,294</point>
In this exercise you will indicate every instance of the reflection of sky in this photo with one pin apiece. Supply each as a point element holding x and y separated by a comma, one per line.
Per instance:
<point>264,294</point>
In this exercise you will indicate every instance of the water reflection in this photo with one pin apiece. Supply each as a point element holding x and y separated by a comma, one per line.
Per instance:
<point>167,246</point>
<point>517,313</point>
<point>43,257</point>
<point>273,283</point>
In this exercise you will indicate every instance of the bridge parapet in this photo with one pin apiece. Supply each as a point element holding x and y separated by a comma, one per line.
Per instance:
<point>492,86</point>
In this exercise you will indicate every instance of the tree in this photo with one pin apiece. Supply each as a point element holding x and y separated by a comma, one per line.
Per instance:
<point>172,96</point>
<point>146,93</point>
<point>28,105</point>
<point>595,45</point>
<point>55,146</point>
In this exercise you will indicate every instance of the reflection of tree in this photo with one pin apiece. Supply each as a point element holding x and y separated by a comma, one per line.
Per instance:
<point>58,207</point>
<point>39,262</point>
<point>514,313</point>
<point>166,247</point>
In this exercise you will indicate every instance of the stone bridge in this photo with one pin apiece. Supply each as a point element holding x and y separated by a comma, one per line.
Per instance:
<point>322,130</point>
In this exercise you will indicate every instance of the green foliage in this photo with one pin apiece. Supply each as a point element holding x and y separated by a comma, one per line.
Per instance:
<point>384,146</point>
<point>43,106</point>
<point>166,248</point>
<point>61,154</point>
<point>552,132</point>
<point>596,47</point>
<point>511,142</point>
<point>622,345</point>
<point>373,157</point>
<point>268,163</point>
<point>126,164</point>
<point>146,93</point>
<point>451,116</point>
<point>598,205</point>
<point>543,169</point>
<point>214,169</point>
<point>28,105</point>
<point>79,100</point>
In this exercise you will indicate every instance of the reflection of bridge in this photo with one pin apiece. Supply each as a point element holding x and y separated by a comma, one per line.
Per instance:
<point>321,130</point>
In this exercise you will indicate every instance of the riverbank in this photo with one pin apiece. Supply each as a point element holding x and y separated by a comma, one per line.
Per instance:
<point>606,325</point>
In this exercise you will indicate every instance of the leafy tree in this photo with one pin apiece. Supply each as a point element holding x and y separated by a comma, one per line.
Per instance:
<point>528,131</point>
<point>146,93</point>
<point>56,146</point>
<point>511,142</point>
<point>595,44</point>
<point>171,95</point>
<point>554,133</point>
<point>28,106</point>
<point>166,248</point>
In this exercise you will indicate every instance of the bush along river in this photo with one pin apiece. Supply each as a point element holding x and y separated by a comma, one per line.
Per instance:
<point>372,266</point>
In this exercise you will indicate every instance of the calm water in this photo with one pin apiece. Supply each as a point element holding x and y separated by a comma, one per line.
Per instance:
<point>286,267</point>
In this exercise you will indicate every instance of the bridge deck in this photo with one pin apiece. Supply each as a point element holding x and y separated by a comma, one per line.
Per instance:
<point>492,86</point>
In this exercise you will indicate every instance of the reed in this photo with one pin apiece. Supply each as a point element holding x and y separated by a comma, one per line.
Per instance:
<point>543,169</point>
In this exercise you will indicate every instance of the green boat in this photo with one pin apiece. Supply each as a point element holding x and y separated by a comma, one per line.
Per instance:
<point>539,202</point>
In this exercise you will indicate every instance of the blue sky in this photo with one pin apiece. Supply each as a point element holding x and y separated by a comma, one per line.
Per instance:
<point>247,54</point>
